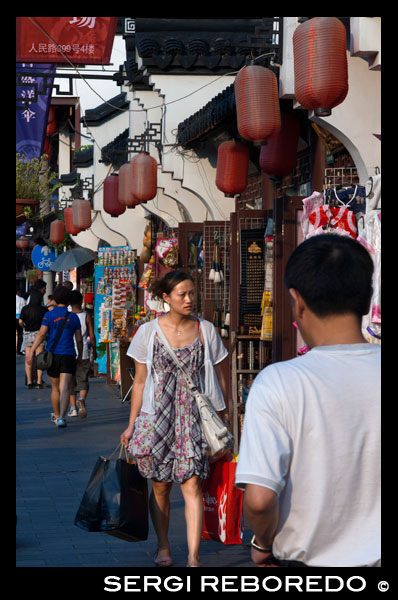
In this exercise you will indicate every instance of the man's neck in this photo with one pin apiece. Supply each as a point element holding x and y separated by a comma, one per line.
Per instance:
<point>340,329</point>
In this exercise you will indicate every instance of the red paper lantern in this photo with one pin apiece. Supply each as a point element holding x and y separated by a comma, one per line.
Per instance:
<point>257,103</point>
<point>22,242</point>
<point>125,187</point>
<point>232,168</point>
<point>57,232</point>
<point>145,174</point>
<point>112,206</point>
<point>320,64</point>
<point>81,212</point>
<point>278,157</point>
<point>70,227</point>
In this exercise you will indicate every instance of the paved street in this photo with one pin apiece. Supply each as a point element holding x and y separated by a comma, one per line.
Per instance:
<point>53,468</point>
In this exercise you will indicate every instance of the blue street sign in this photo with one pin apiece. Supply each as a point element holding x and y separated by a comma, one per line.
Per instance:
<point>43,257</point>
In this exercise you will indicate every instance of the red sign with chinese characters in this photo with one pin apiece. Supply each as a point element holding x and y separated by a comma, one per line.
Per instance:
<point>83,40</point>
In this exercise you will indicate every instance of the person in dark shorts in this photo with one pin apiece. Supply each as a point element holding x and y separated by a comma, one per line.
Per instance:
<point>30,319</point>
<point>64,363</point>
<point>80,383</point>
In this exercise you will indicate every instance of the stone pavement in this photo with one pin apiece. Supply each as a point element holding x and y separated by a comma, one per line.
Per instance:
<point>53,469</point>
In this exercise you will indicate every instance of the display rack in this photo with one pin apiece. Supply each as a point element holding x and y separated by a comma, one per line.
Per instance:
<point>238,403</point>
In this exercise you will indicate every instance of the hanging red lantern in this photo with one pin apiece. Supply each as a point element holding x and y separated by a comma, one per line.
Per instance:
<point>125,186</point>
<point>22,243</point>
<point>257,103</point>
<point>232,168</point>
<point>57,232</point>
<point>70,227</point>
<point>81,213</point>
<point>112,206</point>
<point>278,157</point>
<point>145,174</point>
<point>320,64</point>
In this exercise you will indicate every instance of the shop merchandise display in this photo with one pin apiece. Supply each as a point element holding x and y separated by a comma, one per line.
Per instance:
<point>339,210</point>
<point>115,278</point>
<point>352,211</point>
<point>167,251</point>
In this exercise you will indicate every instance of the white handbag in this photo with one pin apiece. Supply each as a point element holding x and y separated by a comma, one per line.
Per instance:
<point>218,438</point>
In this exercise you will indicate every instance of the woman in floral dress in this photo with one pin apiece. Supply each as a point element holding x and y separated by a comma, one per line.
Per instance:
<point>164,432</point>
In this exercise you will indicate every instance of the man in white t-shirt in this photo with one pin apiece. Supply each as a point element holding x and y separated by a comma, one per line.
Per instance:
<point>309,457</point>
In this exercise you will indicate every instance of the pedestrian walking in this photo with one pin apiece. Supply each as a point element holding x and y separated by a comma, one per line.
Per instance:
<point>38,289</point>
<point>80,381</point>
<point>50,302</point>
<point>64,354</point>
<point>164,432</point>
<point>20,303</point>
<point>30,320</point>
<point>309,457</point>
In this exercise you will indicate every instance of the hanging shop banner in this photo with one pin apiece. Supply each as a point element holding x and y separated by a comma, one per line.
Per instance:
<point>83,40</point>
<point>33,99</point>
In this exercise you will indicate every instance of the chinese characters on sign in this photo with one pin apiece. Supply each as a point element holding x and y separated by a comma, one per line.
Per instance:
<point>66,49</point>
<point>33,96</point>
<point>90,21</point>
<point>81,40</point>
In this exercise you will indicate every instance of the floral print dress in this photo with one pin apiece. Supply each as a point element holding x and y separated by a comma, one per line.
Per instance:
<point>169,445</point>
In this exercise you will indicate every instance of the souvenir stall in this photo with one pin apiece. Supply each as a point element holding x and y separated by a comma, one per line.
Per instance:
<point>353,210</point>
<point>115,282</point>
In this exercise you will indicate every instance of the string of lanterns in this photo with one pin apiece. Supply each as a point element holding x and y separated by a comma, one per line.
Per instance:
<point>321,83</point>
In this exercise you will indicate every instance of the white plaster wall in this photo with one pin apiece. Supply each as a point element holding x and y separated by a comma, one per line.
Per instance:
<point>186,177</point>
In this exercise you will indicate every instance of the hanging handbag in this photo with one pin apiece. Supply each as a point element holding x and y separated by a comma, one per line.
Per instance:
<point>44,360</point>
<point>115,500</point>
<point>218,438</point>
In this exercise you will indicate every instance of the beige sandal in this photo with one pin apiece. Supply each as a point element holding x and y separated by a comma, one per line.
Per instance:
<point>162,561</point>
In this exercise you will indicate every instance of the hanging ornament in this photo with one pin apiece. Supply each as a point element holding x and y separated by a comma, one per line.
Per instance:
<point>57,232</point>
<point>232,168</point>
<point>81,213</point>
<point>70,227</point>
<point>257,103</point>
<point>22,243</point>
<point>112,206</point>
<point>278,157</point>
<point>145,172</point>
<point>125,188</point>
<point>320,64</point>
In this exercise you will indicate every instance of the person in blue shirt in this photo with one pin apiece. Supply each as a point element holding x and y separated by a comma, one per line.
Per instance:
<point>64,361</point>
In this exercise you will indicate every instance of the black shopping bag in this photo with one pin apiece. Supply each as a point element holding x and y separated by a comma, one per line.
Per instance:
<point>115,500</point>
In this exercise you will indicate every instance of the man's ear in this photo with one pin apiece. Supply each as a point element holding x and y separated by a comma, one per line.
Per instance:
<point>298,302</point>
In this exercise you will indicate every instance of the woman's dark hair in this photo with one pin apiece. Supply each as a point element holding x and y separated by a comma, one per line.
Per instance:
<point>167,284</point>
<point>61,295</point>
<point>333,274</point>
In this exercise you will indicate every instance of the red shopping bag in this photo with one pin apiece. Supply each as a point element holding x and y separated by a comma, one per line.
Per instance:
<point>222,502</point>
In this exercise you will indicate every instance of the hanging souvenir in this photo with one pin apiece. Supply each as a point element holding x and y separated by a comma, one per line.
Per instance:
<point>167,251</point>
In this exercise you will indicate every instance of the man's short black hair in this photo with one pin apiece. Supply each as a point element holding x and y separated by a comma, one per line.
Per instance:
<point>76,299</point>
<point>333,274</point>
<point>61,295</point>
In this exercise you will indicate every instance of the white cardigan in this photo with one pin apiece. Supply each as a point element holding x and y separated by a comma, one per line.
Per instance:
<point>141,350</point>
